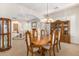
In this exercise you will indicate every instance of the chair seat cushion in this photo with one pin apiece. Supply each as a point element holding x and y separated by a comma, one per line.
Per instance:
<point>46,46</point>
<point>35,49</point>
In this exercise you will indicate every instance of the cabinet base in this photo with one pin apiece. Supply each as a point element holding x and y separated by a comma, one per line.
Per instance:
<point>4,49</point>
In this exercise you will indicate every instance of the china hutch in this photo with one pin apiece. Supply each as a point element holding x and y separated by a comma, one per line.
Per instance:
<point>5,34</point>
<point>65,29</point>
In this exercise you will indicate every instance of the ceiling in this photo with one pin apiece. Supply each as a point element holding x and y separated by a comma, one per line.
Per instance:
<point>23,11</point>
<point>41,8</point>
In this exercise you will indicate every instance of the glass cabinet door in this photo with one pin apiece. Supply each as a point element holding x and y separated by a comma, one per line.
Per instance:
<point>0,41</point>
<point>5,41</point>
<point>5,26</point>
<point>0,33</point>
<point>0,26</point>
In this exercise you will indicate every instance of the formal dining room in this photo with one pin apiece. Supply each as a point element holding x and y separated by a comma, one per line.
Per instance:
<point>39,29</point>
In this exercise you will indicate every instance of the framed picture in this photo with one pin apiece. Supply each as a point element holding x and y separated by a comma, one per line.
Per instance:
<point>34,24</point>
<point>15,27</point>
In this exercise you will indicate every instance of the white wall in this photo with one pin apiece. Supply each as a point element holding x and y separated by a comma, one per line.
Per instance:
<point>15,10</point>
<point>19,12</point>
<point>13,34</point>
<point>71,14</point>
<point>22,27</point>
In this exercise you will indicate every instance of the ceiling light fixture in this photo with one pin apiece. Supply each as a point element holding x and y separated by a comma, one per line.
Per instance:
<point>47,19</point>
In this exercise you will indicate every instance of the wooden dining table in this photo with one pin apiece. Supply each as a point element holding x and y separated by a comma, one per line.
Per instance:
<point>40,42</point>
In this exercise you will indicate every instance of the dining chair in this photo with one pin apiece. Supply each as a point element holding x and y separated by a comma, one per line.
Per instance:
<point>59,38</point>
<point>30,46</point>
<point>49,46</point>
<point>53,44</point>
<point>42,33</point>
<point>34,33</point>
<point>54,40</point>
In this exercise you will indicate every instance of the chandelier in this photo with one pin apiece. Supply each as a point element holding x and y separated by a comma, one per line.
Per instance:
<point>47,19</point>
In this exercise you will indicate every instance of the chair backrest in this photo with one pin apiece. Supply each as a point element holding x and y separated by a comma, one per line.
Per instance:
<point>59,34</point>
<point>42,33</point>
<point>28,38</point>
<point>53,36</point>
<point>34,33</point>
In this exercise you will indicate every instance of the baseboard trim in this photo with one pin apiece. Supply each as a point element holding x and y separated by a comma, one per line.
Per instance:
<point>71,43</point>
<point>75,43</point>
